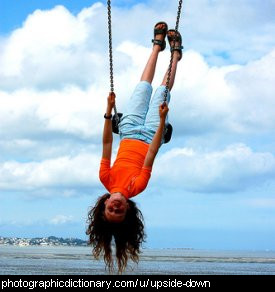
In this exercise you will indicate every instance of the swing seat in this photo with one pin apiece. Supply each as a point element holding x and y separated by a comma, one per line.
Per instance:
<point>168,130</point>
<point>115,123</point>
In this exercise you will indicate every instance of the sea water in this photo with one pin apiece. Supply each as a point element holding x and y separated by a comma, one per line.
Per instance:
<point>65,260</point>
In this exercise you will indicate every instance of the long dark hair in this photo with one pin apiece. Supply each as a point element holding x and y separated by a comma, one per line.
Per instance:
<point>128,235</point>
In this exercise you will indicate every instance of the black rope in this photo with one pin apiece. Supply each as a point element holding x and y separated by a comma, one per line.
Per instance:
<point>110,46</point>
<point>111,54</point>
<point>172,51</point>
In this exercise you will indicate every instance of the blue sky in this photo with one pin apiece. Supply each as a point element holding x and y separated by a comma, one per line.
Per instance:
<point>213,185</point>
<point>14,12</point>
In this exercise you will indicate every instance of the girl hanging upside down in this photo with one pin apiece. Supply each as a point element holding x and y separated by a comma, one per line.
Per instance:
<point>141,131</point>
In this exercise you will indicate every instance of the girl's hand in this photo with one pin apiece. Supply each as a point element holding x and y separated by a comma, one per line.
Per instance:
<point>111,100</point>
<point>163,110</point>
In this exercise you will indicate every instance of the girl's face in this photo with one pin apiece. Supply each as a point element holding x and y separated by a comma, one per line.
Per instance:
<point>116,208</point>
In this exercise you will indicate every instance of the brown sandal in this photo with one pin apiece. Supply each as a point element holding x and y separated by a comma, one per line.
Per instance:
<point>163,31</point>
<point>173,39</point>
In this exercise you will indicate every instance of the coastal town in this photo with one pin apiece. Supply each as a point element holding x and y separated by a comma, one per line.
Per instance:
<point>42,241</point>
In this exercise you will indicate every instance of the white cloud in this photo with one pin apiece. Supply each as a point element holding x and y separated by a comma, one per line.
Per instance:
<point>205,99</point>
<point>227,33</point>
<point>253,87</point>
<point>61,219</point>
<point>66,56</point>
<point>266,203</point>
<point>51,50</point>
<point>224,99</point>
<point>233,169</point>
<point>63,172</point>
<point>72,111</point>
<point>54,80</point>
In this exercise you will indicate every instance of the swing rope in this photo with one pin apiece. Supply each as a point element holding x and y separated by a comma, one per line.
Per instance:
<point>172,51</point>
<point>111,66</point>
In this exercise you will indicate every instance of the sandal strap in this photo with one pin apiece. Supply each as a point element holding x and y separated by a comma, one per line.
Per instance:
<point>161,43</point>
<point>158,42</point>
<point>159,31</point>
<point>177,48</point>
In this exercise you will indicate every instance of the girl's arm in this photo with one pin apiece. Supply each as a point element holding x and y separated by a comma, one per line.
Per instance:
<point>107,139</point>
<point>156,142</point>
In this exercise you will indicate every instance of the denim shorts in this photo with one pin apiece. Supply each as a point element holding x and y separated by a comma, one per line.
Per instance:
<point>141,119</point>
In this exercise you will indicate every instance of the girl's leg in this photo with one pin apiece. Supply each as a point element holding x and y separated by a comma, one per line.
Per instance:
<point>149,70</point>
<point>152,117</point>
<point>134,117</point>
<point>173,71</point>
<point>175,42</point>
<point>139,102</point>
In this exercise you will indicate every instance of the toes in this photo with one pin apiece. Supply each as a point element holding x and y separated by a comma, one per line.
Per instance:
<point>161,26</point>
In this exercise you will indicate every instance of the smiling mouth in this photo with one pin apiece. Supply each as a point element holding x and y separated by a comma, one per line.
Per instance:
<point>117,203</point>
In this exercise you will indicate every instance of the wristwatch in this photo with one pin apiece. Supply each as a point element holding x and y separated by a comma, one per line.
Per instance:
<point>108,117</point>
